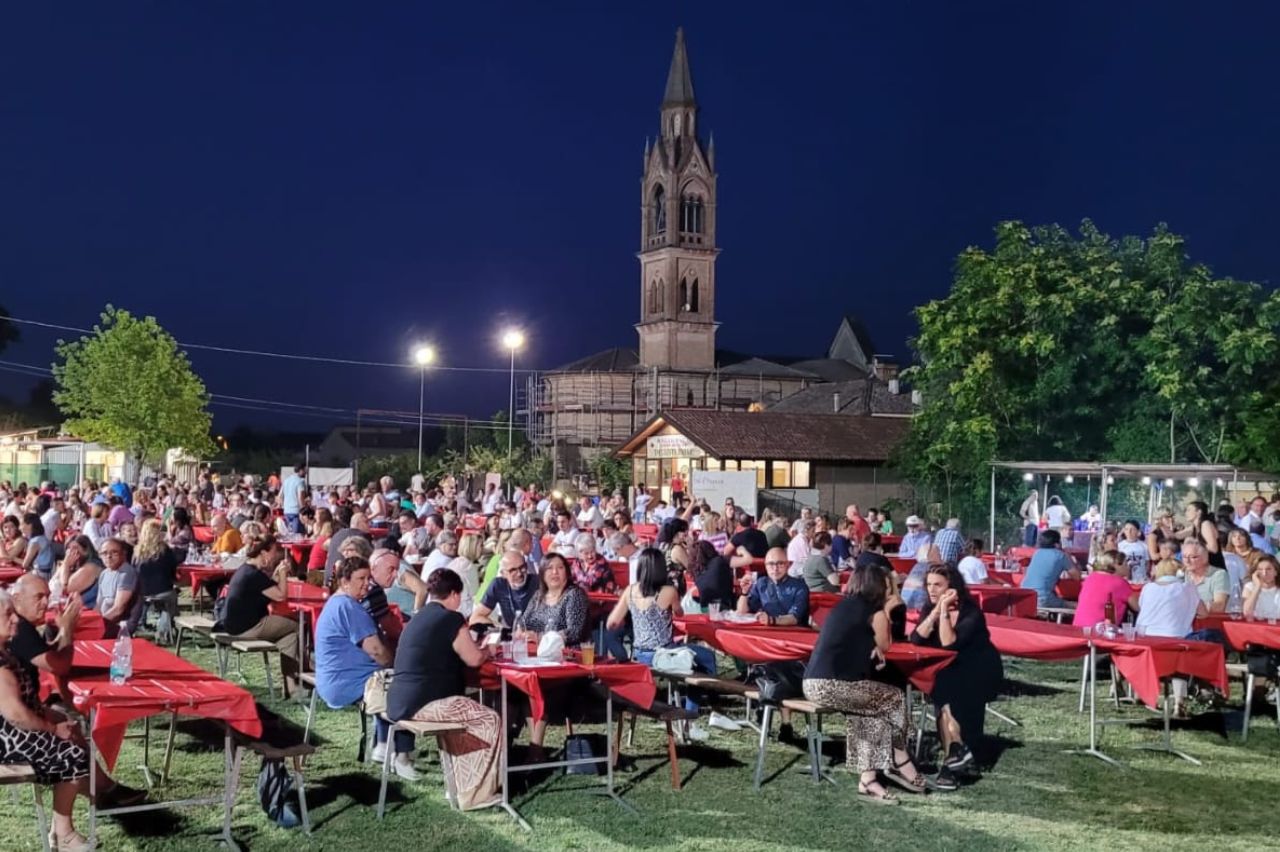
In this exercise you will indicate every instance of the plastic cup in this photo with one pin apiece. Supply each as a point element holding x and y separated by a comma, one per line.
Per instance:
<point>1129,632</point>
<point>1087,630</point>
<point>1142,632</point>
<point>504,650</point>
<point>713,610</point>
<point>588,654</point>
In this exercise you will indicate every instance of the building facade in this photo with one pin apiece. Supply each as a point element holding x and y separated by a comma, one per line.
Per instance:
<point>587,408</point>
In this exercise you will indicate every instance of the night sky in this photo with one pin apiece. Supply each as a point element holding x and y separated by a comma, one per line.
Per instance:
<point>346,179</point>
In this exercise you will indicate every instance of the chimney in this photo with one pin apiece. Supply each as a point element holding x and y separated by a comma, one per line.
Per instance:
<point>893,387</point>
<point>917,398</point>
<point>835,403</point>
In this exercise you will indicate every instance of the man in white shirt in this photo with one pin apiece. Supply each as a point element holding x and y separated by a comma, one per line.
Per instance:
<point>663,513</point>
<point>806,514</point>
<point>800,548</point>
<point>414,540</point>
<point>589,517</point>
<point>446,548</point>
<point>566,532</point>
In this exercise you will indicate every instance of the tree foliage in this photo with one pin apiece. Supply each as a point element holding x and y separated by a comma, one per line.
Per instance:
<point>1057,346</point>
<point>128,386</point>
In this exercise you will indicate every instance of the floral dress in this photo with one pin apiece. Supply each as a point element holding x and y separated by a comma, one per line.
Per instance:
<point>54,760</point>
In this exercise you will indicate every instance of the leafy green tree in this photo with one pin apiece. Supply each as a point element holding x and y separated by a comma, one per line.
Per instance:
<point>1057,346</point>
<point>128,386</point>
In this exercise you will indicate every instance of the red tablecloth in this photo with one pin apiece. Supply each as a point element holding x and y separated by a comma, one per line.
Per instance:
<point>300,549</point>
<point>1240,633</point>
<point>1066,588</point>
<point>902,564</point>
<point>9,573</point>
<point>621,573</point>
<point>821,604</point>
<point>758,643</point>
<point>1001,599</point>
<point>1143,662</point>
<point>89,623</point>
<point>197,575</point>
<point>1036,640</point>
<point>632,681</point>
<point>161,682</point>
<point>890,541</point>
<point>202,533</point>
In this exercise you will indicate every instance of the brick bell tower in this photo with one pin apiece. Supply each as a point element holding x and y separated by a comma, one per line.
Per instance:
<point>678,251</point>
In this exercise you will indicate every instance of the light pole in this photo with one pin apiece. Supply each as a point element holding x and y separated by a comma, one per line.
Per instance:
<point>512,339</point>
<point>423,355</point>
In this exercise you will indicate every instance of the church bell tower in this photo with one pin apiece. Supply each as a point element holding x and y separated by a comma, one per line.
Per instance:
<point>678,251</point>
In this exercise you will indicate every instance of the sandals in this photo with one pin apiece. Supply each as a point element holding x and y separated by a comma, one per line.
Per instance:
<point>884,797</point>
<point>73,842</point>
<point>911,786</point>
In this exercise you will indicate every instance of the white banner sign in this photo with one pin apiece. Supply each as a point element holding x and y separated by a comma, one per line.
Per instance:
<point>672,447</point>
<point>716,485</point>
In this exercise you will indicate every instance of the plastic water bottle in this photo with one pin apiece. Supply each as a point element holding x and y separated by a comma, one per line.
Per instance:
<point>122,658</point>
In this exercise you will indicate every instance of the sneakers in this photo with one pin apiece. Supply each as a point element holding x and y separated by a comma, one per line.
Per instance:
<point>958,757</point>
<point>697,733</point>
<point>403,765</point>
<point>943,782</point>
<point>379,753</point>
<point>723,722</point>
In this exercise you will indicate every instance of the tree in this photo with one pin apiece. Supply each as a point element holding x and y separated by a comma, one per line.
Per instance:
<point>1055,346</point>
<point>129,386</point>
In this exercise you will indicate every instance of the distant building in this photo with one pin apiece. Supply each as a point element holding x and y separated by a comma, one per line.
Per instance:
<point>344,443</point>
<point>588,407</point>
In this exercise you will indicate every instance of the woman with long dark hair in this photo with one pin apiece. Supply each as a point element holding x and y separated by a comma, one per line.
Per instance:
<point>1203,527</point>
<point>851,646</point>
<point>712,576</point>
<point>953,620</point>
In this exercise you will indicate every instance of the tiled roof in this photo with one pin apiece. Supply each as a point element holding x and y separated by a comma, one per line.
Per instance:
<point>609,361</point>
<point>821,399</point>
<point>775,435</point>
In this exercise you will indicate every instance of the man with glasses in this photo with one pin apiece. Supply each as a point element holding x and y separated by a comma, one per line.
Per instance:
<point>509,593</point>
<point>776,599</point>
<point>118,597</point>
<point>395,582</point>
<point>445,551</point>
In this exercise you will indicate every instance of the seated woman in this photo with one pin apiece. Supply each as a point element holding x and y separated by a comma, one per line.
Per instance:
<point>325,529</point>
<point>558,606</point>
<point>1104,584</point>
<point>852,641</point>
<point>349,649</point>
<point>971,567</point>
<point>180,533</point>
<point>467,566</point>
<point>79,571</point>
<point>429,686</point>
<point>590,570</point>
<point>157,566</point>
<point>261,580</point>
<point>712,576</point>
<point>953,620</point>
<point>652,603</point>
<point>1048,565</point>
<point>13,545</point>
<point>31,733</point>
<point>1261,594</point>
<point>816,570</point>
<point>39,555</point>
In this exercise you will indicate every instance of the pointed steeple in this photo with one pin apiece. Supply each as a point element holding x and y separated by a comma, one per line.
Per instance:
<point>679,80</point>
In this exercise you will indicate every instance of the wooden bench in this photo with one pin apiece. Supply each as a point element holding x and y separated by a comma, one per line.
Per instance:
<point>668,714</point>
<point>201,625</point>
<point>308,680</point>
<point>1241,670</point>
<point>12,774</point>
<point>227,644</point>
<point>420,729</point>
<point>1055,613</point>
<point>813,714</point>
<point>293,756</point>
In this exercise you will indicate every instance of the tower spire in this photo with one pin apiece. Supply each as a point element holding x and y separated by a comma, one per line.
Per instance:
<point>679,81</point>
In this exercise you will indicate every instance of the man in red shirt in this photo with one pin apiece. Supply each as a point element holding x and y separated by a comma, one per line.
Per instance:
<point>858,525</point>
<point>677,488</point>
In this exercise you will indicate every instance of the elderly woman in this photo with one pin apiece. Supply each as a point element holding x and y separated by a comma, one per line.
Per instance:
<point>953,620</point>
<point>349,649</point>
<point>1241,544</point>
<point>39,556</point>
<point>13,545</point>
<point>590,570</point>
<point>840,674</point>
<point>53,747</point>
<point>1103,584</point>
<point>1164,529</point>
<point>79,571</point>
<point>1167,607</point>
<point>429,686</point>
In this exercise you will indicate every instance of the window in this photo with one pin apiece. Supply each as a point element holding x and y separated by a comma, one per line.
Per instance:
<point>693,296</point>
<point>691,214</point>
<point>780,474</point>
<point>712,464</point>
<point>800,475</point>
<point>684,295</point>
<point>653,297</point>
<point>659,210</point>
<point>759,468</point>
<point>730,464</point>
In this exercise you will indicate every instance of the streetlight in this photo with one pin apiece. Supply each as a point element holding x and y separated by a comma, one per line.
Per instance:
<point>423,355</point>
<point>513,339</point>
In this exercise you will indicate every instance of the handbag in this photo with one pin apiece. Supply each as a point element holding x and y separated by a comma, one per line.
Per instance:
<point>776,682</point>
<point>375,691</point>
<point>677,661</point>
<point>1262,663</point>
<point>690,604</point>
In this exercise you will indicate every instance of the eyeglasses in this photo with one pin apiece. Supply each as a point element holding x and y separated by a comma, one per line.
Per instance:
<point>776,564</point>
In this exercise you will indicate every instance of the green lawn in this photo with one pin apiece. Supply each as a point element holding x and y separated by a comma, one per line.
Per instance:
<point>1036,796</point>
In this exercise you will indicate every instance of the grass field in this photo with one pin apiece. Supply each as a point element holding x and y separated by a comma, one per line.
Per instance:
<point>1036,797</point>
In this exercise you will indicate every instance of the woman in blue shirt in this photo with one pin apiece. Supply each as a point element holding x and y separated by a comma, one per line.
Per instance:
<point>349,650</point>
<point>39,556</point>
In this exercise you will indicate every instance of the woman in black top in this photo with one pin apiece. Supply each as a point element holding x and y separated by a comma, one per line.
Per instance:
<point>953,620</point>
<point>850,646</point>
<point>713,577</point>
<point>431,661</point>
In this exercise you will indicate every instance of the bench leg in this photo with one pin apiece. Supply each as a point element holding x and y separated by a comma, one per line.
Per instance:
<point>177,647</point>
<point>765,723</point>
<point>617,740</point>
<point>300,782</point>
<point>42,825</point>
<point>311,713</point>
<point>386,768</point>
<point>446,766</point>
<point>266,666</point>
<point>1248,705</point>
<point>673,759</point>
<point>362,750</point>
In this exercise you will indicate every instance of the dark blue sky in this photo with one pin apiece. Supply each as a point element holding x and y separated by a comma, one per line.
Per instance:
<point>345,179</point>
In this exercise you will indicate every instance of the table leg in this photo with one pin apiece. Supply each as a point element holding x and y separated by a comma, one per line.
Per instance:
<point>230,782</point>
<point>1093,750</point>
<point>93,787</point>
<point>1165,743</point>
<point>608,737</point>
<point>504,761</point>
<point>168,747</point>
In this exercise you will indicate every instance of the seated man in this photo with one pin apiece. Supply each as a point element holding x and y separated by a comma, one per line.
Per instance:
<point>776,598</point>
<point>36,646</point>
<point>510,592</point>
<point>414,540</point>
<point>226,538</point>
<point>566,534</point>
<point>395,582</point>
<point>916,536</point>
<point>119,598</point>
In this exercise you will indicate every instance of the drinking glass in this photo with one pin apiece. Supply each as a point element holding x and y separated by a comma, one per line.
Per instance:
<point>713,611</point>
<point>520,651</point>
<point>1142,632</point>
<point>1088,631</point>
<point>588,654</point>
<point>1129,632</point>
<point>505,650</point>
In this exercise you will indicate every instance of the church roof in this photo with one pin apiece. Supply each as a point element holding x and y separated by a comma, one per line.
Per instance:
<point>679,80</point>
<point>861,396</point>
<point>852,341</point>
<point>752,366</point>
<point>619,360</point>
<point>829,369</point>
